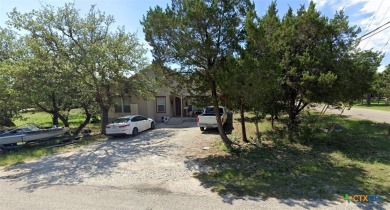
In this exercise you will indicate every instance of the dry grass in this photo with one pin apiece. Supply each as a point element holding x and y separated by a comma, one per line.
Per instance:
<point>355,160</point>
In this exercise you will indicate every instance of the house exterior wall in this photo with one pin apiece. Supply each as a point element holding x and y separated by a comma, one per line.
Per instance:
<point>164,92</point>
<point>148,108</point>
<point>113,115</point>
<point>142,109</point>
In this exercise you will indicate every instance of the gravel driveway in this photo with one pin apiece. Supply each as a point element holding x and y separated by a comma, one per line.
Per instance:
<point>151,171</point>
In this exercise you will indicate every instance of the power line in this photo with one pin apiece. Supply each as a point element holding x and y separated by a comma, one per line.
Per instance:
<point>384,14</point>
<point>381,21</point>
<point>375,33</point>
<point>374,30</point>
<point>385,44</point>
<point>375,14</point>
<point>383,17</point>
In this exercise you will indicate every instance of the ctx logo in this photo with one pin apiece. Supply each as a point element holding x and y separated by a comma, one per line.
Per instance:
<point>362,198</point>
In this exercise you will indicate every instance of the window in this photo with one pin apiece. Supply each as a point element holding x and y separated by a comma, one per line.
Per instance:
<point>210,110</point>
<point>160,101</point>
<point>122,105</point>
<point>126,105</point>
<point>135,119</point>
<point>121,120</point>
<point>118,105</point>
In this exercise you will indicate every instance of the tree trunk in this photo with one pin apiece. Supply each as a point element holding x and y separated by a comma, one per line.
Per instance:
<point>55,119</point>
<point>221,131</point>
<point>55,108</point>
<point>85,123</point>
<point>368,99</point>
<point>291,125</point>
<point>104,116</point>
<point>7,122</point>
<point>242,115</point>
<point>258,134</point>
<point>64,120</point>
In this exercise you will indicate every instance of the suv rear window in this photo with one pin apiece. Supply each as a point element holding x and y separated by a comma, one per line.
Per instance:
<point>210,110</point>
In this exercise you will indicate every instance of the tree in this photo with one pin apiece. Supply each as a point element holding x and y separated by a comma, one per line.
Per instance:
<point>263,61</point>
<point>382,83</point>
<point>9,45</point>
<point>233,83</point>
<point>88,51</point>
<point>320,62</point>
<point>197,36</point>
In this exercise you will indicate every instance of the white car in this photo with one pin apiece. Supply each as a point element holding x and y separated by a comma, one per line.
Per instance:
<point>129,125</point>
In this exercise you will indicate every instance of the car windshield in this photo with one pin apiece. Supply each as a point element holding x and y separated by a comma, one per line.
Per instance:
<point>210,110</point>
<point>121,120</point>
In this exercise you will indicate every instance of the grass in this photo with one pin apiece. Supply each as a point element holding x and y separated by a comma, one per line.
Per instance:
<point>31,152</point>
<point>76,117</point>
<point>355,160</point>
<point>381,106</point>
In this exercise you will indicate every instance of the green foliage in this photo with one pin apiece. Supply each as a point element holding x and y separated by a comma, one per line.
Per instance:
<point>382,83</point>
<point>306,58</point>
<point>9,46</point>
<point>198,37</point>
<point>77,61</point>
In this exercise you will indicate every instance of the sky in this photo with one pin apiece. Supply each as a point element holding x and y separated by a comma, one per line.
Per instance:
<point>366,14</point>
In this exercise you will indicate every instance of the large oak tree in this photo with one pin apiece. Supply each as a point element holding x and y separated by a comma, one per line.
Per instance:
<point>85,55</point>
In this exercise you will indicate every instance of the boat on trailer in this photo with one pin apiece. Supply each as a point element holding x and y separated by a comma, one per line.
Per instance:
<point>29,133</point>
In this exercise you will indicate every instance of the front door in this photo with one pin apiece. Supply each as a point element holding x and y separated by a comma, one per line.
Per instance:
<point>178,106</point>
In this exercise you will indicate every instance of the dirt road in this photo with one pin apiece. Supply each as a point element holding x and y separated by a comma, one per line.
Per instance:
<point>151,171</point>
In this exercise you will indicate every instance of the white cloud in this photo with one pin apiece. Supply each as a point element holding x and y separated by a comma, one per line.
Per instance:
<point>337,4</point>
<point>368,15</point>
<point>381,68</point>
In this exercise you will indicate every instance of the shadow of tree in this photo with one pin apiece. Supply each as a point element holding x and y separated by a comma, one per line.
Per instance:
<point>93,161</point>
<point>292,172</point>
<point>227,127</point>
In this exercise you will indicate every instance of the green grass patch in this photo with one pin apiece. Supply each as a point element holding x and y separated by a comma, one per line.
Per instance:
<point>381,106</point>
<point>328,165</point>
<point>76,117</point>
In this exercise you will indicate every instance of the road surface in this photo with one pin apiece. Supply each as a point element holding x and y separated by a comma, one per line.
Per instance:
<point>151,171</point>
<point>365,114</point>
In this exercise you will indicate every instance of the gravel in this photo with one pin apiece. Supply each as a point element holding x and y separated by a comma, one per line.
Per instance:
<point>153,170</point>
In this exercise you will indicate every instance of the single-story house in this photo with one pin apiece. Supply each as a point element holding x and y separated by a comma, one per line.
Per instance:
<point>165,103</point>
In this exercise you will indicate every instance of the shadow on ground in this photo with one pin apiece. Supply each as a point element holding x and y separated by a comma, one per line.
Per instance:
<point>353,161</point>
<point>214,131</point>
<point>92,161</point>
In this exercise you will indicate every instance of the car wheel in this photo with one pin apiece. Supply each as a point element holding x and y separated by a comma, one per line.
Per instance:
<point>152,125</point>
<point>135,131</point>
<point>201,128</point>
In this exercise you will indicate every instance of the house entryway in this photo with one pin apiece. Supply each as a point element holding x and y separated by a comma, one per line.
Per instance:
<point>178,107</point>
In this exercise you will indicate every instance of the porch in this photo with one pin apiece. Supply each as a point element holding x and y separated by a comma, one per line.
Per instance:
<point>182,107</point>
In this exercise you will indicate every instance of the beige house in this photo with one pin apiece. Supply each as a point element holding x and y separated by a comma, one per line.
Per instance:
<point>165,103</point>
